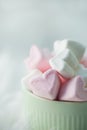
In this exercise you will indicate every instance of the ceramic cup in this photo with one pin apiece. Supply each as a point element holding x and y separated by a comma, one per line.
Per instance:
<point>44,114</point>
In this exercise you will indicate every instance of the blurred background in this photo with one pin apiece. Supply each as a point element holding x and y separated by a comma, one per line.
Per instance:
<point>27,22</point>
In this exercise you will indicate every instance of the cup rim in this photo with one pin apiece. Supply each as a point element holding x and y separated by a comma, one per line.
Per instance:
<point>51,101</point>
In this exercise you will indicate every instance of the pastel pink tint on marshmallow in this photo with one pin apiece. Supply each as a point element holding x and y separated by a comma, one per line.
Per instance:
<point>38,59</point>
<point>44,65</point>
<point>47,85</point>
<point>73,90</point>
<point>28,78</point>
<point>63,80</point>
<point>84,59</point>
<point>84,62</point>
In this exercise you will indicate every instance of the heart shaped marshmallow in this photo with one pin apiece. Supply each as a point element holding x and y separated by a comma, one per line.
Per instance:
<point>26,81</point>
<point>82,71</point>
<point>77,48</point>
<point>74,90</point>
<point>46,85</point>
<point>38,59</point>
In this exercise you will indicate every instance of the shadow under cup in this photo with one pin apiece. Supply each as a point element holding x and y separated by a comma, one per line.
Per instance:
<point>44,114</point>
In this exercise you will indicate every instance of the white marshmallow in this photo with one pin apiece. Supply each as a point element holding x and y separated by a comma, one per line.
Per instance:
<point>82,71</point>
<point>65,63</point>
<point>75,47</point>
<point>62,67</point>
<point>69,57</point>
<point>32,74</point>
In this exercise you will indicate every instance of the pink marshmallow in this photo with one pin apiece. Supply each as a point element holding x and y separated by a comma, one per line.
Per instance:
<point>63,80</point>
<point>84,62</point>
<point>73,90</point>
<point>38,59</point>
<point>84,59</point>
<point>47,85</point>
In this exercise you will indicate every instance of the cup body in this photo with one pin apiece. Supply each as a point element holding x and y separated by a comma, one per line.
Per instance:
<point>44,114</point>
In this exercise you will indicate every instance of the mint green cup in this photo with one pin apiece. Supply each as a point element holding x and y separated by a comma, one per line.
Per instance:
<point>44,114</point>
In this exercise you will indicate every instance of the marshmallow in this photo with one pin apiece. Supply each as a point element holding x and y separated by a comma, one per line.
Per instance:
<point>46,85</point>
<point>84,62</point>
<point>32,74</point>
<point>84,59</point>
<point>63,80</point>
<point>38,59</point>
<point>47,54</point>
<point>74,90</point>
<point>82,71</point>
<point>62,67</point>
<point>75,47</point>
<point>69,58</point>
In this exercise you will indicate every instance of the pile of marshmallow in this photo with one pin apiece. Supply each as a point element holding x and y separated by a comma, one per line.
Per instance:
<point>59,75</point>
